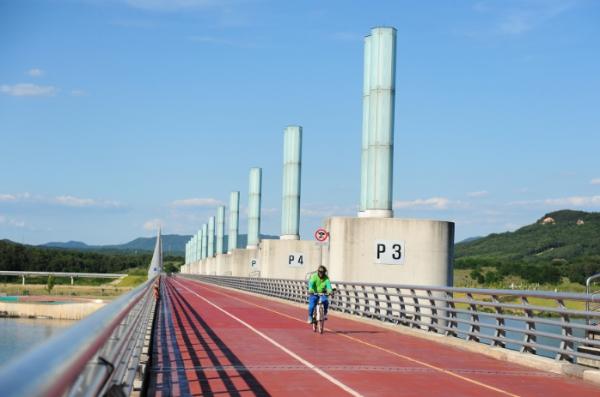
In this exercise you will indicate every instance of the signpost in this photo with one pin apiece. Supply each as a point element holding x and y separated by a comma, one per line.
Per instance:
<point>322,240</point>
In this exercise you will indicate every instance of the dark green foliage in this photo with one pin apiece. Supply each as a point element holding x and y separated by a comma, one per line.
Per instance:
<point>576,270</point>
<point>564,239</point>
<point>172,258</point>
<point>170,267</point>
<point>538,253</point>
<point>16,257</point>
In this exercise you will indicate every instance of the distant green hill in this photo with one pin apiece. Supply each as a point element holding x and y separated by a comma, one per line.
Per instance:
<point>562,235</point>
<point>173,244</point>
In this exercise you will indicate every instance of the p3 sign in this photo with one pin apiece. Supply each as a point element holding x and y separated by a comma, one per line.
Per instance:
<point>254,263</point>
<point>296,259</point>
<point>389,252</point>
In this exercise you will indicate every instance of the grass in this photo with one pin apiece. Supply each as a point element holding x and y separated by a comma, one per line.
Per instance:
<point>132,281</point>
<point>64,291</point>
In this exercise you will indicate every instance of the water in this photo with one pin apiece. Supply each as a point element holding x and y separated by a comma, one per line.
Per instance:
<point>18,335</point>
<point>551,329</point>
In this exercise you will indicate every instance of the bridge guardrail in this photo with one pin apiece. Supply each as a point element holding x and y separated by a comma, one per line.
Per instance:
<point>503,317</point>
<point>26,273</point>
<point>95,355</point>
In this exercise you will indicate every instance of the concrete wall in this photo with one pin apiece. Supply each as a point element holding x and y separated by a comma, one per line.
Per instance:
<point>274,258</point>
<point>210,266</point>
<point>224,262</point>
<point>428,256</point>
<point>240,261</point>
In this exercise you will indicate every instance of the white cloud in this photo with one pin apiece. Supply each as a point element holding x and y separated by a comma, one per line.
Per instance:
<point>512,226</point>
<point>595,181</point>
<point>322,211</point>
<point>562,202</point>
<point>67,201</point>
<point>154,224</point>
<point>36,73</point>
<point>197,202</point>
<point>17,223</point>
<point>79,93</point>
<point>28,90</point>
<point>481,193</point>
<point>268,211</point>
<point>530,15</point>
<point>435,203</point>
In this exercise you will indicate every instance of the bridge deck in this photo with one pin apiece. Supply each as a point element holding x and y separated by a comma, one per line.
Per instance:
<point>212,341</point>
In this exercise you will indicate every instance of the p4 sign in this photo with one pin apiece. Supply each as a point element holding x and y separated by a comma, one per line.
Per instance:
<point>389,252</point>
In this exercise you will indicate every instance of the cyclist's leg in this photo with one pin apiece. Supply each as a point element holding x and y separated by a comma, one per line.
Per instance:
<point>325,304</point>
<point>312,301</point>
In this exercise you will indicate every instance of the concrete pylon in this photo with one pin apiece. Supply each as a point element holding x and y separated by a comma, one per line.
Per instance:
<point>382,91</point>
<point>292,170</point>
<point>364,153</point>
<point>220,229</point>
<point>204,241</point>
<point>254,208</point>
<point>198,248</point>
<point>211,237</point>
<point>234,220</point>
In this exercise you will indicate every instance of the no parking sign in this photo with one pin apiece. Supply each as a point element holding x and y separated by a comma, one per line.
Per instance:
<point>321,235</point>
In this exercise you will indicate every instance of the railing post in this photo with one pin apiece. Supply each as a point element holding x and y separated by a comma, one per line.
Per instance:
<point>376,297</point>
<point>499,333</point>
<point>388,302</point>
<point>402,308</point>
<point>452,314</point>
<point>417,315</point>
<point>475,319</point>
<point>566,346</point>
<point>433,320</point>
<point>366,304</point>
<point>529,326</point>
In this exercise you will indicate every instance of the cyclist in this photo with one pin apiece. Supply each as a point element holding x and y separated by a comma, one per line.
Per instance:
<point>318,283</point>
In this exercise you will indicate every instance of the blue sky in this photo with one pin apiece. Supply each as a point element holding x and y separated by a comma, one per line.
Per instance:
<point>117,115</point>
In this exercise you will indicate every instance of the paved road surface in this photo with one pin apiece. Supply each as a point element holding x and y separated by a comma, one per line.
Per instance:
<point>212,341</point>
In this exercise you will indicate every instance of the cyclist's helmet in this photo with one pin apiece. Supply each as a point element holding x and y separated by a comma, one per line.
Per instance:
<point>322,270</point>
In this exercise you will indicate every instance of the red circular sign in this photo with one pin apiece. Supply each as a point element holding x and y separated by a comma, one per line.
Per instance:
<point>321,235</point>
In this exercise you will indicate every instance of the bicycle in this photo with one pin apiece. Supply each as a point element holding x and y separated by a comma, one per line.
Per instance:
<point>318,314</point>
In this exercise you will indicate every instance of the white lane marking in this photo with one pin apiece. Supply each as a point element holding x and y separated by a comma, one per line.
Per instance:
<point>294,355</point>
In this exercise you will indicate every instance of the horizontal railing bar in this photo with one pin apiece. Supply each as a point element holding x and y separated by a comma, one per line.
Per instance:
<point>61,274</point>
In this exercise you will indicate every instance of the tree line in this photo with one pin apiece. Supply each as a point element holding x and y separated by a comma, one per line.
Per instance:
<point>17,257</point>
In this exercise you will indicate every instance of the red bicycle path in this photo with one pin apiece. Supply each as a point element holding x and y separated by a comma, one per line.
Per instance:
<point>212,341</point>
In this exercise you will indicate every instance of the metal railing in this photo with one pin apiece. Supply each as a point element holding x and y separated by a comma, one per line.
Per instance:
<point>60,274</point>
<point>504,318</point>
<point>587,291</point>
<point>308,275</point>
<point>98,354</point>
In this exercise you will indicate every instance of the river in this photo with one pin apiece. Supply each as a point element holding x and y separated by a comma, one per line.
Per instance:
<point>18,335</point>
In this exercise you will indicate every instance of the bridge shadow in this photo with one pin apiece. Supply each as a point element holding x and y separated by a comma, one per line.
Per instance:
<point>219,355</point>
<point>167,375</point>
